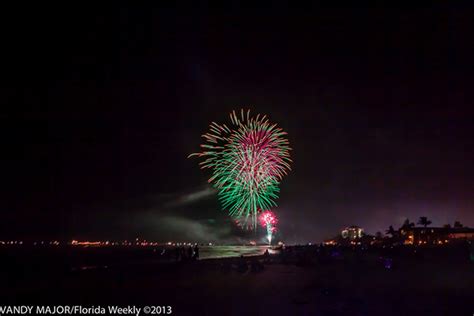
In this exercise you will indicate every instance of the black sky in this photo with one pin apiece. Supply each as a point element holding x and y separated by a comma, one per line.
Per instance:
<point>101,108</point>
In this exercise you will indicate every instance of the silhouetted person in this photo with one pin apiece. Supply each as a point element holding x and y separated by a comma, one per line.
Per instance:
<point>190,252</point>
<point>284,254</point>
<point>255,265</point>
<point>177,254</point>
<point>196,252</point>
<point>242,266</point>
<point>266,256</point>
<point>182,253</point>
<point>388,263</point>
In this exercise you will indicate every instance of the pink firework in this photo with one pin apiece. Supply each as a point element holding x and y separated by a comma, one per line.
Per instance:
<point>268,220</point>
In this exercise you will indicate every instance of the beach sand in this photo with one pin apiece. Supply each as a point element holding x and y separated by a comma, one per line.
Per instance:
<point>214,287</point>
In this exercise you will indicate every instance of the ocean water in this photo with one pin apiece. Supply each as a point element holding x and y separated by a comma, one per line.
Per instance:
<point>212,252</point>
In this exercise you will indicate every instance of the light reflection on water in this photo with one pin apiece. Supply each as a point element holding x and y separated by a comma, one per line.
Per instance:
<point>209,252</point>
<point>205,252</point>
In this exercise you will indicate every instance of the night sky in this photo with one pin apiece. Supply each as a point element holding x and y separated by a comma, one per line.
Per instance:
<point>100,109</point>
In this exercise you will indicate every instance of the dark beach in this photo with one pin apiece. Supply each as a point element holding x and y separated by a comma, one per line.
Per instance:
<point>300,281</point>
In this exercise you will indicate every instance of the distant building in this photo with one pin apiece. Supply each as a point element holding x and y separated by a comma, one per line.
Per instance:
<point>435,235</point>
<point>352,232</point>
<point>461,233</point>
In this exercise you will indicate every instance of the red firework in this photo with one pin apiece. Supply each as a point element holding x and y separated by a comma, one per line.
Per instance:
<point>268,218</point>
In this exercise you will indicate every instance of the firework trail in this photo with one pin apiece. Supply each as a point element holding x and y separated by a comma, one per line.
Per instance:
<point>248,161</point>
<point>268,220</point>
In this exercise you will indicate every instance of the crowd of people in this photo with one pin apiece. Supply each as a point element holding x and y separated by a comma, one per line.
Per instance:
<point>186,254</point>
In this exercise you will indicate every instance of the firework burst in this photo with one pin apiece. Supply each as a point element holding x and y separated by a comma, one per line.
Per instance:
<point>248,161</point>
<point>268,220</point>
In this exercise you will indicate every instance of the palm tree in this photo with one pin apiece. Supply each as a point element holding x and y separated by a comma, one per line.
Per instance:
<point>423,221</point>
<point>457,224</point>
<point>390,231</point>
<point>378,235</point>
<point>407,224</point>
